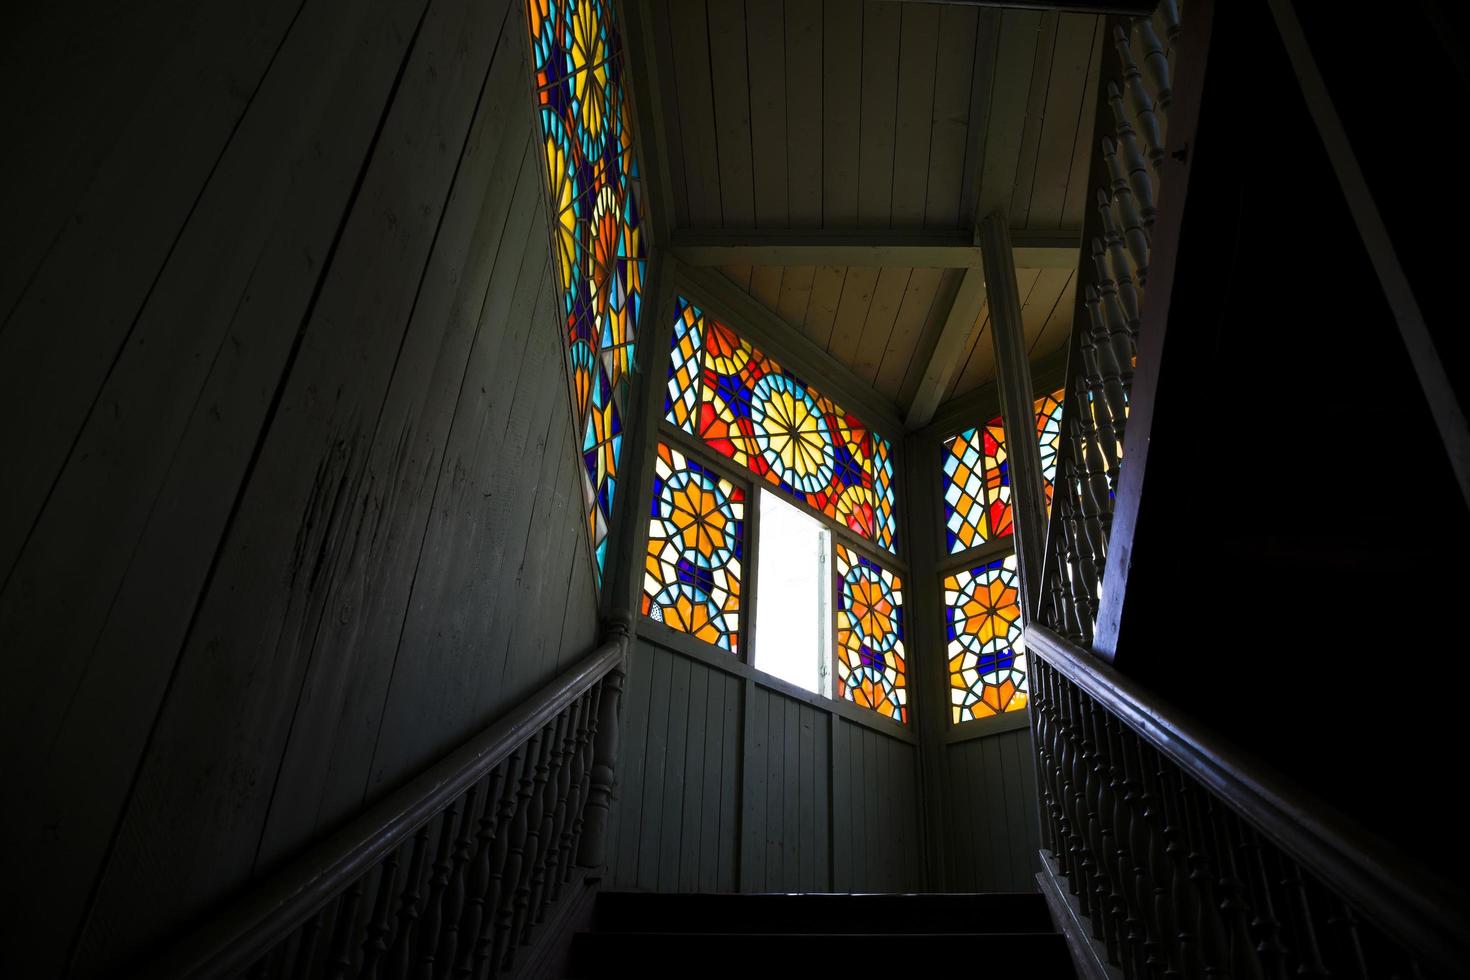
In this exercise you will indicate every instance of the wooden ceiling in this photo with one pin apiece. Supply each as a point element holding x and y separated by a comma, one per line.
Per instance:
<point>877,121</point>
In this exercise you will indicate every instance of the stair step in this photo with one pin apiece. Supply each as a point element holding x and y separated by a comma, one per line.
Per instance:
<point>693,954</point>
<point>631,912</point>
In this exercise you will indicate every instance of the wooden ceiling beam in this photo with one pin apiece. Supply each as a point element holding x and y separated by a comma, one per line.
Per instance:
<point>865,247</point>
<point>963,318</point>
<point>1137,8</point>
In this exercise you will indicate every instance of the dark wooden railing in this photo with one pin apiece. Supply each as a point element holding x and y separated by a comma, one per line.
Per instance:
<point>1190,859</point>
<point>450,875</point>
<point>1134,150</point>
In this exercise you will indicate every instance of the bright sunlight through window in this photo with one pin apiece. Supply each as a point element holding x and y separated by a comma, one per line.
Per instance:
<point>793,633</point>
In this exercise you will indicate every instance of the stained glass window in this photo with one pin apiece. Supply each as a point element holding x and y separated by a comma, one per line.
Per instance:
<point>977,476</point>
<point>597,242</point>
<point>691,577</point>
<point>747,407</point>
<point>987,659</point>
<point>870,634</point>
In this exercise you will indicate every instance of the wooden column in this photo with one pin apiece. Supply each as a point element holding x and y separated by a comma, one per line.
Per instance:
<point>1013,374</point>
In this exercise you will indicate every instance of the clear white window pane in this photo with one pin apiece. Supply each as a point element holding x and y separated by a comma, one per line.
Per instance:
<point>793,614</point>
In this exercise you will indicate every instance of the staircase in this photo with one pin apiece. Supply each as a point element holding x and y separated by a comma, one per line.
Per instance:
<point>637,933</point>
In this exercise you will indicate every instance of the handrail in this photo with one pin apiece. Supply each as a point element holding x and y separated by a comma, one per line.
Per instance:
<point>268,913</point>
<point>1405,900</point>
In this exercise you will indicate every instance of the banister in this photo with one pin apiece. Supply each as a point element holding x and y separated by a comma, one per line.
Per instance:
<point>269,912</point>
<point>1405,900</point>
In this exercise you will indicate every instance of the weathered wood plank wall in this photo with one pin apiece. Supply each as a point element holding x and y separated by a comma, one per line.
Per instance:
<point>777,795</point>
<point>992,832</point>
<point>290,500</point>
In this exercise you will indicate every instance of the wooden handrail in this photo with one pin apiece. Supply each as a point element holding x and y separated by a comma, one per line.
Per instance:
<point>269,912</point>
<point>1405,900</point>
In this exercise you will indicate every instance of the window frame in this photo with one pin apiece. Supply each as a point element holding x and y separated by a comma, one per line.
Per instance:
<point>713,301</point>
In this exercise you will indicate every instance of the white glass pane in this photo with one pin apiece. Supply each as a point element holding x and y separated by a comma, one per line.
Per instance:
<point>793,616</point>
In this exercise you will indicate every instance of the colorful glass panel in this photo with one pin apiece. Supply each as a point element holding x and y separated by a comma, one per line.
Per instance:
<point>691,576</point>
<point>596,227</point>
<point>870,634</point>
<point>747,407</point>
<point>977,476</point>
<point>987,658</point>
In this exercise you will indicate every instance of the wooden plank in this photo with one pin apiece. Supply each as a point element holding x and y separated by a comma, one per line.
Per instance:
<point>843,852</point>
<point>1067,112</point>
<point>1020,811</point>
<point>1077,199</point>
<point>821,311</point>
<point>694,820</point>
<point>822,793</point>
<point>875,842</point>
<point>92,235</point>
<point>226,713</point>
<point>842,50</point>
<point>711,808</point>
<point>1028,153</point>
<point>791,838</point>
<point>753,823</point>
<point>658,60</point>
<point>852,311</point>
<point>765,32</point>
<point>954,69</point>
<point>918,48</point>
<point>726,46</point>
<point>775,762</point>
<point>1058,325</point>
<point>934,321</point>
<point>888,295</point>
<point>629,793</point>
<point>1015,60</point>
<point>938,248</point>
<point>959,325</point>
<point>878,122</point>
<point>765,285</point>
<point>1040,302</point>
<point>804,114</point>
<point>796,294</point>
<point>739,275</point>
<point>107,581</point>
<point>676,748</point>
<point>655,772</point>
<point>908,326</point>
<point>695,132</point>
<point>982,95</point>
<point>731,787</point>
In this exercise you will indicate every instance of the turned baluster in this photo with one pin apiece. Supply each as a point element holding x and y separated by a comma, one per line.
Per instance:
<point>380,923</point>
<point>1095,508</point>
<point>261,968</point>
<point>1265,923</point>
<point>1059,818</point>
<point>1041,714</point>
<point>1301,929</point>
<point>572,794</point>
<point>344,932</point>
<point>1143,930</point>
<point>1349,960</point>
<point>1165,960</point>
<point>1071,850</point>
<point>537,766</point>
<point>401,955</point>
<point>1143,108</point>
<point>1068,489</point>
<point>1077,807</point>
<point>1181,890</point>
<point>481,963</point>
<point>1100,819</point>
<point>549,838</point>
<point>476,881</point>
<point>1230,887</point>
<point>1120,867</point>
<point>1209,925</point>
<point>1084,578</point>
<point>515,856</point>
<point>593,851</point>
<point>1169,11</point>
<point>1122,272</point>
<point>453,902</point>
<point>1131,154</point>
<point>1103,374</point>
<point>1135,233</point>
<point>306,948</point>
<point>1118,337</point>
<point>433,918</point>
<point>1156,63</point>
<point>579,814</point>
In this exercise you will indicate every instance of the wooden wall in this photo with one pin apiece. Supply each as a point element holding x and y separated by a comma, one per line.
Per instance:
<point>992,831</point>
<point>733,781</point>
<point>290,504</point>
